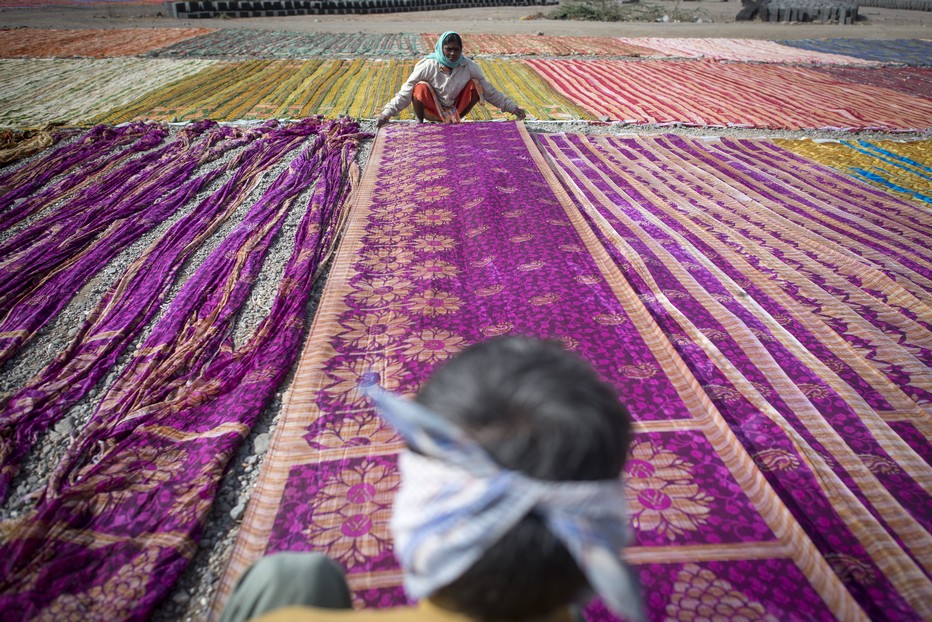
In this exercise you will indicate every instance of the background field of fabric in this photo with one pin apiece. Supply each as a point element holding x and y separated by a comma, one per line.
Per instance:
<point>296,89</point>
<point>90,43</point>
<point>543,45</point>
<point>912,80</point>
<point>38,91</point>
<point>898,51</point>
<point>709,93</point>
<point>235,44</point>
<point>747,50</point>
<point>903,168</point>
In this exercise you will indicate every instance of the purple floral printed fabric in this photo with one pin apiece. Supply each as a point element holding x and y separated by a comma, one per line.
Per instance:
<point>464,232</point>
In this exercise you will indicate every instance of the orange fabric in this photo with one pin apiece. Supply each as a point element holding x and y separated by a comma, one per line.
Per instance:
<point>424,93</point>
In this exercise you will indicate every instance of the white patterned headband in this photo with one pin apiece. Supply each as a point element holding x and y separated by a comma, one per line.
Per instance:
<point>456,502</point>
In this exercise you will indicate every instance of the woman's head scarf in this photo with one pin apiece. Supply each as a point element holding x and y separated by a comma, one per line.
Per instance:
<point>438,52</point>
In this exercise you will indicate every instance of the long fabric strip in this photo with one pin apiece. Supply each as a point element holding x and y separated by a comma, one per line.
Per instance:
<point>47,263</point>
<point>744,50</point>
<point>912,80</point>
<point>121,517</point>
<point>132,302</point>
<point>94,43</point>
<point>541,45</point>
<point>904,168</point>
<point>709,93</point>
<point>801,302</point>
<point>898,51</point>
<point>241,44</point>
<point>426,268</point>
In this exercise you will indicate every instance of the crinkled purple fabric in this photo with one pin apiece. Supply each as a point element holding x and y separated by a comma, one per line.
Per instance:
<point>121,516</point>
<point>134,299</point>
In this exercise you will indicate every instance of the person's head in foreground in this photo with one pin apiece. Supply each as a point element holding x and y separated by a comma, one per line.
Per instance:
<point>511,505</point>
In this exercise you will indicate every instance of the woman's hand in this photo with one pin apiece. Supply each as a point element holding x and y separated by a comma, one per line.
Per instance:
<point>380,121</point>
<point>520,113</point>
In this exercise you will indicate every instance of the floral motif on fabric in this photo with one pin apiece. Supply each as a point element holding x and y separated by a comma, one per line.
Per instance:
<point>434,302</point>
<point>115,599</point>
<point>434,269</point>
<point>354,509</point>
<point>433,242</point>
<point>851,569</point>
<point>662,493</point>
<point>433,345</point>
<point>700,596</point>
<point>642,371</point>
<point>380,291</point>
<point>880,464</point>
<point>531,266</point>
<point>433,217</point>
<point>386,259</point>
<point>374,329</point>
<point>776,460</point>
<point>496,330</point>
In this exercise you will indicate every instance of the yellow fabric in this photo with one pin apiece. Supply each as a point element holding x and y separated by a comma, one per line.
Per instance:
<point>426,611</point>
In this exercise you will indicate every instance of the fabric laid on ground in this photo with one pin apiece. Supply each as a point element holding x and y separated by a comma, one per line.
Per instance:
<point>799,299</point>
<point>912,80</point>
<point>133,301</point>
<point>747,50</point>
<point>542,45</point>
<point>251,44</point>
<point>16,144</point>
<point>39,91</point>
<point>92,43</point>
<point>297,89</point>
<point>904,168</point>
<point>899,51</point>
<point>443,251</point>
<point>122,515</point>
<point>709,93</point>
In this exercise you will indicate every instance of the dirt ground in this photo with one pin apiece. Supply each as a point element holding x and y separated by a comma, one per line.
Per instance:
<point>717,21</point>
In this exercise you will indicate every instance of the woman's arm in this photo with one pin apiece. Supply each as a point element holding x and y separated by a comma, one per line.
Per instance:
<point>403,97</point>
<point>493,95</point>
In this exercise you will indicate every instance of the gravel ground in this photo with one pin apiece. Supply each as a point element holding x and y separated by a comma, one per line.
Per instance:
<point>190,599</point>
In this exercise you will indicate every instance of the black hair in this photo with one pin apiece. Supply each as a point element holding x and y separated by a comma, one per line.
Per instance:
<point>454,37</point>
<point>541,410</point>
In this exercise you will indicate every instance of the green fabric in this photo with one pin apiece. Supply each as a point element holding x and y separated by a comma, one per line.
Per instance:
<point>438,56</point>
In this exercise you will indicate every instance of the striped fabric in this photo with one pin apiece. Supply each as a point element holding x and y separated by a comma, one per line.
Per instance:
<point>35,92</point>
<point>542,45</point>
<point>746,50</point>
<point>708,93</point>
<point>529,91</point>
<point>912,80</point>
<point>91,43</point>
<point>903,168</point>
<point>900,51</point>
<point>800,301</point>
<point>252,44</point>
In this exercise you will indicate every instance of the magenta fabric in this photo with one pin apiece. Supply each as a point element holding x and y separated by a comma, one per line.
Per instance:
<point>124,511</point>
<point>806,284</point>
<point>463,233</point>
<point>124,311</point>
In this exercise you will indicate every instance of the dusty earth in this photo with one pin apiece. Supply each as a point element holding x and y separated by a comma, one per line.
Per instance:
<point>191,597</point>
<point>717,21</point>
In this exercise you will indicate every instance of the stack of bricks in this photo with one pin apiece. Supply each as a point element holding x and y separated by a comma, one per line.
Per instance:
<point>282,8</point>
<point>823,11</point>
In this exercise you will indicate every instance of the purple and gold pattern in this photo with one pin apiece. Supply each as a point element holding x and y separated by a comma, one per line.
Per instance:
<point>799,300</point>
<point>492,245</point>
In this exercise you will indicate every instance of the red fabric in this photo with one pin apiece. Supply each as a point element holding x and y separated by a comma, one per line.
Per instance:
<point>423,92</point>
